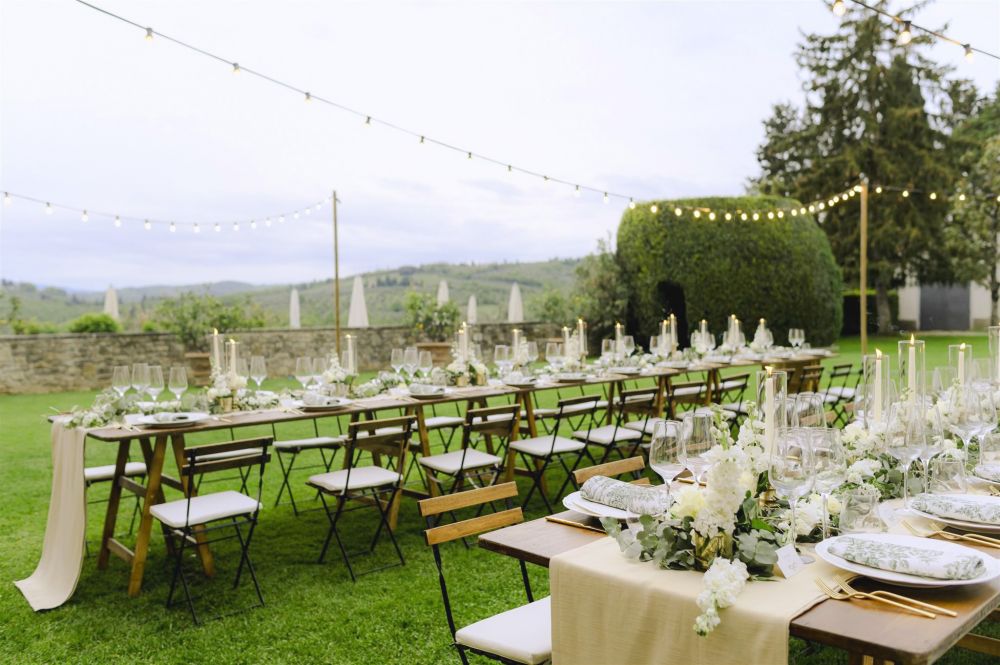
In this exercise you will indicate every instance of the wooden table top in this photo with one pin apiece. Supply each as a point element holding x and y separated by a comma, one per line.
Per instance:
<point>860,627</point>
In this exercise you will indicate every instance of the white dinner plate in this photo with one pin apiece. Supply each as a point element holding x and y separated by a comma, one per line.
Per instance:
<point>904,579</point>
<point>171,420</point>
<point>625,370</point>
<point>575,501</point>
<point>333,403</point>
<point>977,527</point>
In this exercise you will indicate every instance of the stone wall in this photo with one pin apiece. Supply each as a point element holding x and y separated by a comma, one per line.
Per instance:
<point>53,363</point>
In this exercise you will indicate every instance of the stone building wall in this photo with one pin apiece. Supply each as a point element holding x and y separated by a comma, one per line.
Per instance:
<point>52,363</point>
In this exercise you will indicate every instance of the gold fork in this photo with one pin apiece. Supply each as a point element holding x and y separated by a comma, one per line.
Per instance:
<point>843,595</point>
<point>985,541</point>
<point>844,584</point>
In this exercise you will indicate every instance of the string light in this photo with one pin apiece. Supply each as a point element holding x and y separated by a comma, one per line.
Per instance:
<point>149,34</point>
<point>729,216</point>
<point>173,227</point>
<point>218,228</point>
<point>743,216</point>
<point>906,194</point>
<point>236,68</point>
<point>711,216</point>
<point>770,215</point>
<point>197,229</point>
<point>605,193</point>
<point>781,214</point>
<point>118,222</point>
<point>281,219</point>
<point>794,212</point>
<point>932,196</point>
<point>878,190</point>
<point>48,208</point>
<point>697,214</point>
<point>253,225</point>
<point>267,222</point>
<point>576,192</point>
<point>654,209</point>
<point>969,55</point>
<point>756,216</point>
<point>6,199</point>
<point>905,36</point>
<point>839,8</point>
<point>309,210</point>
<point>146,225</point>
<point>236,226</point>
<point>295,215</point>
<point>84,217</point>
<point>961,197</point>
<point>631,204</point>
<point>368,121</point>
<point>678,212</point>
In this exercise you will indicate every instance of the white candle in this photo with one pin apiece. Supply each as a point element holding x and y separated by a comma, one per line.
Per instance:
<point>581,331</point>
<point>517,345</point>
<point>877,406</point>
<point>961,364</point>
<point>349,361</point>
<point>769,411</point>
<point>673,334</point>
<point>565,332</point>
<point>232,356</point>
<point>619,340</point>
<point>911,368</point>
<point>463,343</point>
<point>216,350</point>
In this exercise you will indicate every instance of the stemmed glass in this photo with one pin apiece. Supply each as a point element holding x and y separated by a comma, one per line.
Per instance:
<point>989,419</point>
<point>258,370</point>
<point>628,343</point>
<point>502,359</point>
<point>830,463</point>
<point>532,353</point>
<point>933,443</point>
<point>967,418</point>
<point>155,386</point>
<point>242,368</point>
<point>809,410</point>
<point>121,380</point>
<point>140,377</point>
<point>905,439</point>
<point>664,450</point>
<point>554,355</point>
<point>638,504</point>
<point>177,382</point>
<point>425,363</point>
<point>319,367</point>
<point>411,358</point>
<point>791,471</point>
<point>695,440</point>
<point>303,371</point>
<point>396,361</point>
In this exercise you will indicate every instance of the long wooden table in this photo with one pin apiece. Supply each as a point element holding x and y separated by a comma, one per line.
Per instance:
<point>864,629</point>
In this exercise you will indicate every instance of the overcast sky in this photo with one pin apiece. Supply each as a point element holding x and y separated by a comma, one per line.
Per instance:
<point>658,99</point>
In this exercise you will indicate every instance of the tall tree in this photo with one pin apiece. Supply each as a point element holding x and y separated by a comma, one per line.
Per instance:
<point>878,109</point>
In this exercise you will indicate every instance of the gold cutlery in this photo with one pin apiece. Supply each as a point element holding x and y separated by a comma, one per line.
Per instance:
<point>844,595</point>
<point>843,583</point>
<point>578,525</point>
<point>974,538</point>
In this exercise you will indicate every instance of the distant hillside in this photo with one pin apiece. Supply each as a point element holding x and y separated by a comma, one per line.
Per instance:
<point>385,292</point>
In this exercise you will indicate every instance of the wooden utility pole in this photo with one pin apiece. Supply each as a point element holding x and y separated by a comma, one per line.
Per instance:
<point>864,267</point>
<point>336,273</point>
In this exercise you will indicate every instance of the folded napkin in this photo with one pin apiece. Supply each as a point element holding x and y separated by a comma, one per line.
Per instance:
<point>910,559</point>
<point>988,472</point>
<point>968,508</point>
<point>618,494</point>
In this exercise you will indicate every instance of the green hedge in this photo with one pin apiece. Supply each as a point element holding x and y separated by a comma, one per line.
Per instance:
<point>780,269</point>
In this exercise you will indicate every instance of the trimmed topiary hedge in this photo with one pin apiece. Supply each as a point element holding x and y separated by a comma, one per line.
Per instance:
<point>779,269</point>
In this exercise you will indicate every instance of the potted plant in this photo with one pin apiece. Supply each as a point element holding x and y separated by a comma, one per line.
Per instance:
<point>434,324</point>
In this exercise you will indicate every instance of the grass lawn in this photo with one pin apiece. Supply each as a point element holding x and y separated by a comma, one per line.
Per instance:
<point>313,614</point>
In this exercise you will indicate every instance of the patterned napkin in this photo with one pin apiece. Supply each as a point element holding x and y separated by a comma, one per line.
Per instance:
<point>988,472</point>
<point>618,494</point>
<point>964,507</point>
<point>909,559</point>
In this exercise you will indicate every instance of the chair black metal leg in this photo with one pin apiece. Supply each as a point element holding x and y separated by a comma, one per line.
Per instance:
<point>245,557</point>
<point>329,534</point>
<point>384,521</point>
<point>285,480</point>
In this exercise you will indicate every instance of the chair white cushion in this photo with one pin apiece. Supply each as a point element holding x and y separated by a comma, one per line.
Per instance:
<point>96,474</point>
<point>312,442</point>
<point>362,477</point>
<point>735,407</point>
<point>843,392</point>
<point>570,410</point>
<point>645,426</point>
<point>450,462</point>
<point>204,508</point>
<point>687,391</point>
<point>732,383</point>
<point>523,634</point>
<point>540,446</point>
<point>607,435</point>
<point>441,422</point>
<point>228,454</point>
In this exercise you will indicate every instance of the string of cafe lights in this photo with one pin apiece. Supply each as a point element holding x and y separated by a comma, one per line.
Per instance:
<point>906,28</point>
<point>118,220</point>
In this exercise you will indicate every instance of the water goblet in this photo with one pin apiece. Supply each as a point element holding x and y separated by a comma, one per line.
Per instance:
<point>830,463</point>
<point>664,449</point>
<point>791,471</point>
<point>695,440</point>
<point>155,386</point>
<point>140,377</point>
<point>425,363</point>
<point>177,381</point>
<point>396,360</point>
<point>303,371</point>
<point>258,370</point>
<point>411,358</point>
<point>121,380</point>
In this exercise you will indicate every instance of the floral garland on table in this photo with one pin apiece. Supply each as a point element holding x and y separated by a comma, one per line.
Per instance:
<point>110,409</point>
<point>466,371</point>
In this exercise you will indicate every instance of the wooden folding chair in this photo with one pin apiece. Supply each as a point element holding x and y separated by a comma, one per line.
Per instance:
<point>619,467</point>
<point>494,427</point>
<point>617,437</point>
<point>688,394</point>
<point>520,635</point>
<point>841,389</point>
<point>368,486</point>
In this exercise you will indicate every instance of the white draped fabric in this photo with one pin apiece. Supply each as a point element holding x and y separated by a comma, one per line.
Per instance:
<point>515,308</point>
<point>294,319</point>
<point>443,296</point>
<point>111,303</point>
<point>471,314</point>
<point>357,317</point>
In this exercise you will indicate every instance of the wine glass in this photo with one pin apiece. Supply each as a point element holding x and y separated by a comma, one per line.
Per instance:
<point>554,354</point>
<point>140,377</point>
<point>411,358</point>
<point>243,368</point>
<point>966,419</point>
<point>664,449</point>
<point>905,439</point>
<point>695,440</point>
<point>628,343</point>
<point>258,370</point>
<point>319,367</point>
<point>396,361</point>
<point>532,351</point>
<point>177,381</point>
<point>425,363</point>
<point>121,380</point>
<point>933,442</point>
<point>944,379</point>
<point>791,471</point>
<point>607,352</point>
<point>830,464</point>
<point>654,344</point>
<point>303,371</point>
<point>155,386</point>
<point>503,359</point>
<point>809,410</point>
<point>640,503</point>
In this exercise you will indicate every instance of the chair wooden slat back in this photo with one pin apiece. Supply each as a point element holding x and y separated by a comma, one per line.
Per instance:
<point>610,469</point>
<point>449,502</point>
<point>255,452</point>
<point>494,420</point>
<point>387,436</point>
<point>641,401</point>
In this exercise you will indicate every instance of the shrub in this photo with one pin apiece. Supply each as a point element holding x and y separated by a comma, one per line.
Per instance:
<point>428,319</point>
<point>779,269</point>
<point>94,323</point>
<point>192,317</point>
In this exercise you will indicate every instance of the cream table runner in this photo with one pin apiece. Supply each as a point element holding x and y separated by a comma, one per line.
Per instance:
<point>607,609</point>
<point>58,571</point>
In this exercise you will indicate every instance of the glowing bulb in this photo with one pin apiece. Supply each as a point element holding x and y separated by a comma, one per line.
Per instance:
<point>794,212</point>
<point>6,199</point>
<point>998,198</point>
<point>295,215</point>
<point>146,225</point>
<point>236,68</point>
<point>197,229</point>
<point>368,121</point>
<point>678,212</point>
<point>545,179</point>
<point>821,205</point>
<point>576,192</point>
<point>906,194</point>
<point>149,34</point>
<point>802,210</point>
<point>84,217</point>
<point>631,204</point>
<point>729,216</point>
<point>933,196</point>
<point>281,219</point>
<point>781,214</point>
<point>468,155</point>
<point>697,214</point>
<point>48,208</point>
<point>969,55</point>
<point>653,208</point>
<point>253,225</point>
<point>510,169</point>
<point>878,190</point>
<point>905,36</point>
<point>961,197</point>
<point>118,222</point>
<point>173,227</point>
<point>756,216</point>
<point>812,208</point>
<point>309,211</point>
<point>839,8</point>
<point>218,228</point>
<point>422,142</point>
<point>605,197</point>
<point>711,216</point>
<point>770,215</point>
<point>851,193</point>
<point>743,216</point>
<point>308,97</point>
<point>236,226</point>
<point>267,222</point>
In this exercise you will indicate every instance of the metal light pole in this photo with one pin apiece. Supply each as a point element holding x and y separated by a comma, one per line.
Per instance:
<point>336,273</point>
<point>864,267</point>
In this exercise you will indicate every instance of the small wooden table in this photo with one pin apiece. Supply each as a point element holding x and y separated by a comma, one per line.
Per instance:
<point>861,628</point>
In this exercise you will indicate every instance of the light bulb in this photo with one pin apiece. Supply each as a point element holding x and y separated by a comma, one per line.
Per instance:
<point>851,193</point>
<point>794,212</point>
<point>84,217</point>
<point>545,179</point>
<point>368,121</point>
<point>729,216</point>
<point>295,215</point>
<point>802,210</point>
<point>236,68</point>
<point>468,155</point>
<point>118,222</point>
<point>839,8</point>
<point>218,228</point>
<point>267,222</point>
<point>711,216</point>
<point>812,208</point>
<point>969,55</point>
<point>510,169</point>
<point>905,36</point>
<point>906,194</point>
<point>197,229</point>
<point>309,210</point>
<point>605,197</point>
<point>48,208</point>
<point>878,190</point>
<point>781,214</point>
<point>253,225</point>
<point>631,204</point>
<point>678,212</point>
<point>576,192</point>
<point>6,199</point>
<point>821,205</point>
<point>281,219</point>
<point>308,97</point>
<point>149,34</point>
<point>697,214</point>
<point>998,198</point>
<point>236,226</point>
<point>756,216</point>
<point>173,227</point>
<point>654,208</point>
<point>770,215</point>
<point>743,216</point>
<point>933,196</point>
<point>146,225</point>
<point>422,142</point>
<point>961,197</point>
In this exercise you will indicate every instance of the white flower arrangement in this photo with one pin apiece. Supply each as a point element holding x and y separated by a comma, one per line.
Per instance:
<point>108,408</point>
<point>334,372</point>
<point>723,583</point>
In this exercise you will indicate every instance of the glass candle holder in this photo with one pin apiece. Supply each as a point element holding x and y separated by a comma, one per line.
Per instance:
<point>994,337</point>
<point>911,361</point>
<point>772,395</point>
<point>960,360</point>
<point>877,388</point>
